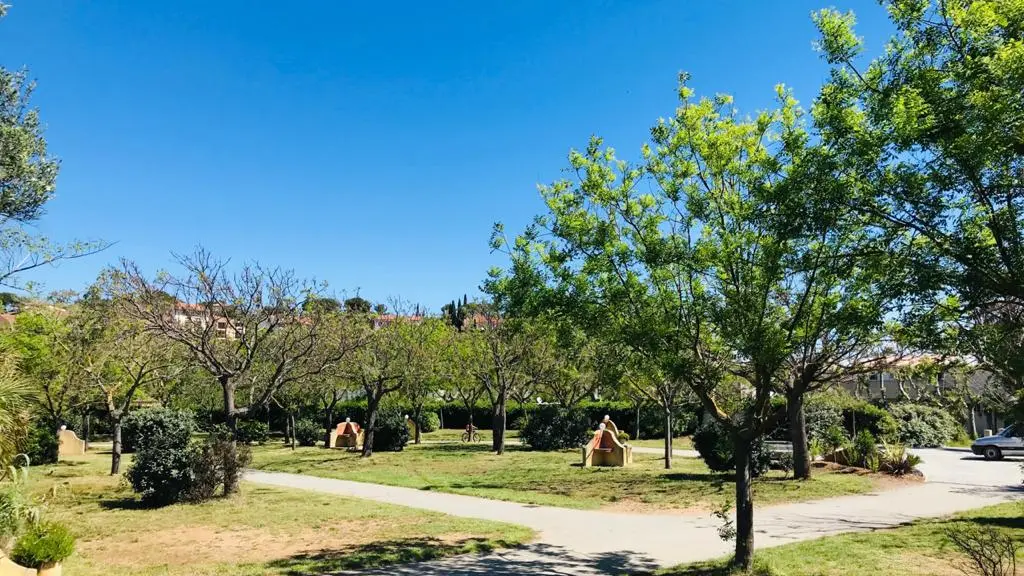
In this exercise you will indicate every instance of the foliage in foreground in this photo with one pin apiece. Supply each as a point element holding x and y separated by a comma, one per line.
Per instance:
<point>44,543</point>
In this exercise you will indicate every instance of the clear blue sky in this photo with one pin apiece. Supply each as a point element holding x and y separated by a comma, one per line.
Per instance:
<point>369,144</point>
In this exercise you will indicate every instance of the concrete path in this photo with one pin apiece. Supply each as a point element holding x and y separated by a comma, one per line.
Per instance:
<point>593,542</point>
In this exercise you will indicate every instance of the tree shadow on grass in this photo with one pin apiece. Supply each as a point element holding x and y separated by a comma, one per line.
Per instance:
<point>124,504</point>
<point>716,480</point>
<point>1014,523</point>
<point>381,553</point>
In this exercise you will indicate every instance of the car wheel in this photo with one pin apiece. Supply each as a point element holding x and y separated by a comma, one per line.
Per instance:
<point>993,453</point>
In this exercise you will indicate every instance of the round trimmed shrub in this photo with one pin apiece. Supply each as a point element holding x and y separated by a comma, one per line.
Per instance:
<point>44,543</point>
<point>252,432</point>
<point>162,471</point>
<point>861,415</point>
<point>715,446</point>
<point>920,426</point>
<point>391,433</point>
<point>429,422</point>
<point>308,433</point>
<point>555,428</point>
<point>145,425</point>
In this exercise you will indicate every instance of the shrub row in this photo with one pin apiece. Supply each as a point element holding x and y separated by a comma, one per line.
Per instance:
<point>455,415</point>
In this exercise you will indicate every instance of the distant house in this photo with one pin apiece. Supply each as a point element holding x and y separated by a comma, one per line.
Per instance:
<point>902,380</point>
<point>199,314</point>
<point>381,320</point>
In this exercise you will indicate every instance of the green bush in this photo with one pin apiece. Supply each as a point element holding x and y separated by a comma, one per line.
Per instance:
<point>162,471</point>
<point>894,459</point>
<point>145,425</point>
<point>821,412</point>
<point>44,543</point>
<point>252,431</point>
<point>864,450</point>
<point>429,422</point>
<point>920,426</point>
<point>308,432</point>
<point>623,437</point>
<point>834,440</point>
<point>391,433</point>
<point>12,506</point>
<point>861,415</point>
<point>718,451</point>
<point>555,428</point>
<point>218,464</point>
<point>41,445</point>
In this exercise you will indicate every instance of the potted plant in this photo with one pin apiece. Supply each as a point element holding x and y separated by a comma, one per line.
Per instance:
<point>44,546</point>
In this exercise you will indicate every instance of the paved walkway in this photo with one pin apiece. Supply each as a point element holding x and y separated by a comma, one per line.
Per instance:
<point>593,542</point>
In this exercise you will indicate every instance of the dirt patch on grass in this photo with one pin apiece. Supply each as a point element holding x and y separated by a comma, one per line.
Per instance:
<point>204,544</point>
<point>883,481</point>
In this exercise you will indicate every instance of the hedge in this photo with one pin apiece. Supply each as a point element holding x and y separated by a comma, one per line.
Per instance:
<point>455,415</point>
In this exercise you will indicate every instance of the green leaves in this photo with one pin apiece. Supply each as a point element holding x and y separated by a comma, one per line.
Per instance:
<point>838,42</point>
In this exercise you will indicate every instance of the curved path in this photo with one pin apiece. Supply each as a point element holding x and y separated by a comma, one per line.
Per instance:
<point>595,542</point>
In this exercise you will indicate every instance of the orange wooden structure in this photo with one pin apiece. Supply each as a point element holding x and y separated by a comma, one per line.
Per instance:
<point>604,449</point>
<point>348,434</point>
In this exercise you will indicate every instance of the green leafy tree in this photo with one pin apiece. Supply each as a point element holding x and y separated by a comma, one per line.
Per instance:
<point>699,260</point>
<point>121,362</point>
<point>28,177</point>
<point>389,358</point>
<point>430,367</point>
<point>935,129</point>
<point>49,344</point>
<point>358,305</point>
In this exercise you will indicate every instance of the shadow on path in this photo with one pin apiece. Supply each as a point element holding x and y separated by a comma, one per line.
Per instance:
<point>411,554</point>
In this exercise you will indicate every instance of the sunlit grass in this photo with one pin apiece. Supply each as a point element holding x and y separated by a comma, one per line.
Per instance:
<point>262,530</point>
<point>918,549</point>
<point>551,478</point>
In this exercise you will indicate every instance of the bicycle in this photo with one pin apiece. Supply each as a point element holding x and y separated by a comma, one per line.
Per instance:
<point>470,435</point>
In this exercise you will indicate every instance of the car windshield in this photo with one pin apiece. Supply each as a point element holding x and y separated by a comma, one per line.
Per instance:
<point>1008,431</point>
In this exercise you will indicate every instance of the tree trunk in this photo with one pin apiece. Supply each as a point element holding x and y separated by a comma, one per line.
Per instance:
<point>328,426</point>
<point>798,435</point>
<point>973,420</point>
<point>636,431</point>
<point>291,422</point>
<point>288,432</point>
<point>371,426</point>
<point>744,507</point>
<point>85,429</point>
<point>668,439</point>
<point>416,414</point>
<point>230,413</point>
<point>498,427</point>
<point>115,451</point>
<point>440,415</point>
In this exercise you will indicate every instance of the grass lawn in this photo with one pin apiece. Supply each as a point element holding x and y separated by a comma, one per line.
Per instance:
<point>920,548</point>
<point>259,531</point>
<point>551,478</point>
<point>680,443</point>
<point>455,435</point>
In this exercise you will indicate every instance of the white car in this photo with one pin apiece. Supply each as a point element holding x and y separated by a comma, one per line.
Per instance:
<point>1009,440</point>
